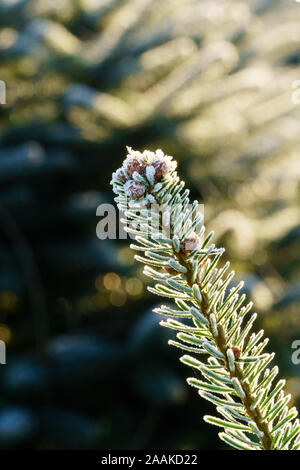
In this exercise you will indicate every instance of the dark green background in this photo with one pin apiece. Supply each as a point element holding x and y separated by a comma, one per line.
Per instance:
<point>208,81</point>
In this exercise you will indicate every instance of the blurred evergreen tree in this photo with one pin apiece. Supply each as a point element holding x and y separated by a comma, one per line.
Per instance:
<point>209,81</point>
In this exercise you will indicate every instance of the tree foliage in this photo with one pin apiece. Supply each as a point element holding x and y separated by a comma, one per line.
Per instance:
<point>235,371</point>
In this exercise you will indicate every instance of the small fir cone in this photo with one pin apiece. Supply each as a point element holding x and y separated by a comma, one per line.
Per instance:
<point>161,168</point>
<point>133,163</point>
<point>171,271</point>
<point>236,352</point>
<point>151,166</point>
<point>189,244</point>
<point>121,175</point>
<point>134,190</point>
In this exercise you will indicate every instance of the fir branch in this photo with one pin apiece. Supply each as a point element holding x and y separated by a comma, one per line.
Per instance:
<point>254,409</point>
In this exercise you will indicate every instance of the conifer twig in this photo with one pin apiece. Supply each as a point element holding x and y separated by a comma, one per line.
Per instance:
<point>235,375</point>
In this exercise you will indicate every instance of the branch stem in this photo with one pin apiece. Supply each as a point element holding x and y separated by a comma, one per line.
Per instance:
<point>266,437</point>
<point>220,340</point>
